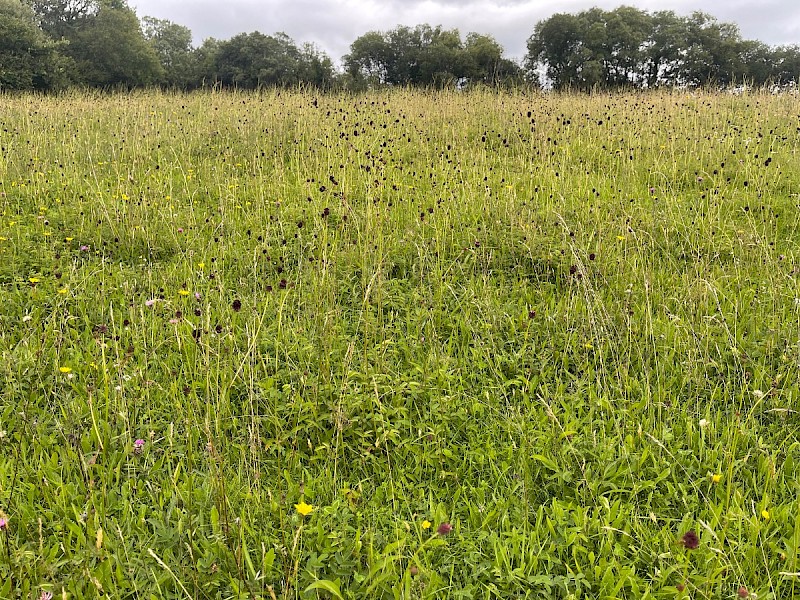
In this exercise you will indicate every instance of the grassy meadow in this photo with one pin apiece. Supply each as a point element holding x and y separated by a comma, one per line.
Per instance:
<point>399,345</point>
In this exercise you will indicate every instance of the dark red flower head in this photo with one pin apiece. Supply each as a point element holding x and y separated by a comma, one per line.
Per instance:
<point>690,541</point>
<point>444,529</point>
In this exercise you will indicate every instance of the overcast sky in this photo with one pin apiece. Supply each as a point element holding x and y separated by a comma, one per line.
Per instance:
<point>334,24</point>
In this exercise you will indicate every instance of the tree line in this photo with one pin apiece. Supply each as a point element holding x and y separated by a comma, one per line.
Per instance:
<point>54,44</point>
<point>628,47</point>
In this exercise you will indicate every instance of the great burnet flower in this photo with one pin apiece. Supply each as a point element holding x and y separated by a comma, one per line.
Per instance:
<point>690,540</point>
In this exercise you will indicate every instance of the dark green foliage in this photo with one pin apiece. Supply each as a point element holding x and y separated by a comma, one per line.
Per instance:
<point>101,42</point>
<point>62,19</point>
<point>172,44</point>
<point>428,56</point>
<point>486,64</point>
<point>316,67</point>
<point>28,59</point>
<point>111,50</point>
<point>712,52</point>
<point>629,47</point>
<point>254,60</point>
<point>786,64</point>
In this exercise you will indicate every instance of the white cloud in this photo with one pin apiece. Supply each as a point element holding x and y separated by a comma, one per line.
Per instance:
<point>334,24</point>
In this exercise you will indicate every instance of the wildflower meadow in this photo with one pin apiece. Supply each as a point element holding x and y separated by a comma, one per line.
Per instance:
<point>399,344</point>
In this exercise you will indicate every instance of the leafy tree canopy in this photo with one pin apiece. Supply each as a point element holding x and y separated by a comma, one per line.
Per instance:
<point>28,58</point>
<point>629,47</point>
<point>428,56</point>
<point>172,44</point>
<point>111,50</point>
<point>253,60</point>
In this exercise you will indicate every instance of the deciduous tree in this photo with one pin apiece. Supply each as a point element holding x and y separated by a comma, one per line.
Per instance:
<point>427,56</point>
<point>486,65</point>
<point>29,60</point>
<point>253,60</point>
<point>111,50</point>
<point>172,44</point>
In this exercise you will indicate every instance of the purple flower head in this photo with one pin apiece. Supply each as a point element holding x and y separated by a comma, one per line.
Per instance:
<point>84,248</point>
<point>690,540</point>
<point>137,446</point>
<point>3,523</point>
<point>444,529</point>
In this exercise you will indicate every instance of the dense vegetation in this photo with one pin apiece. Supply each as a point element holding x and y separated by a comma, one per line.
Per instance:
<point>627,48</point>
<point>399,345</point>
<point>53,44</point>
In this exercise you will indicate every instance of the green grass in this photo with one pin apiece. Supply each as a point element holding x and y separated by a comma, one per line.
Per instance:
<point>565,325</point>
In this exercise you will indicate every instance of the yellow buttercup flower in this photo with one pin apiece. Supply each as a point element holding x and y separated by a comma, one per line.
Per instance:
<point>65,370</point>
<point>304,509</point>
<point>426,524</point>
<point>716,478</point>
<point>184,292</point>
<point>765,514</point>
